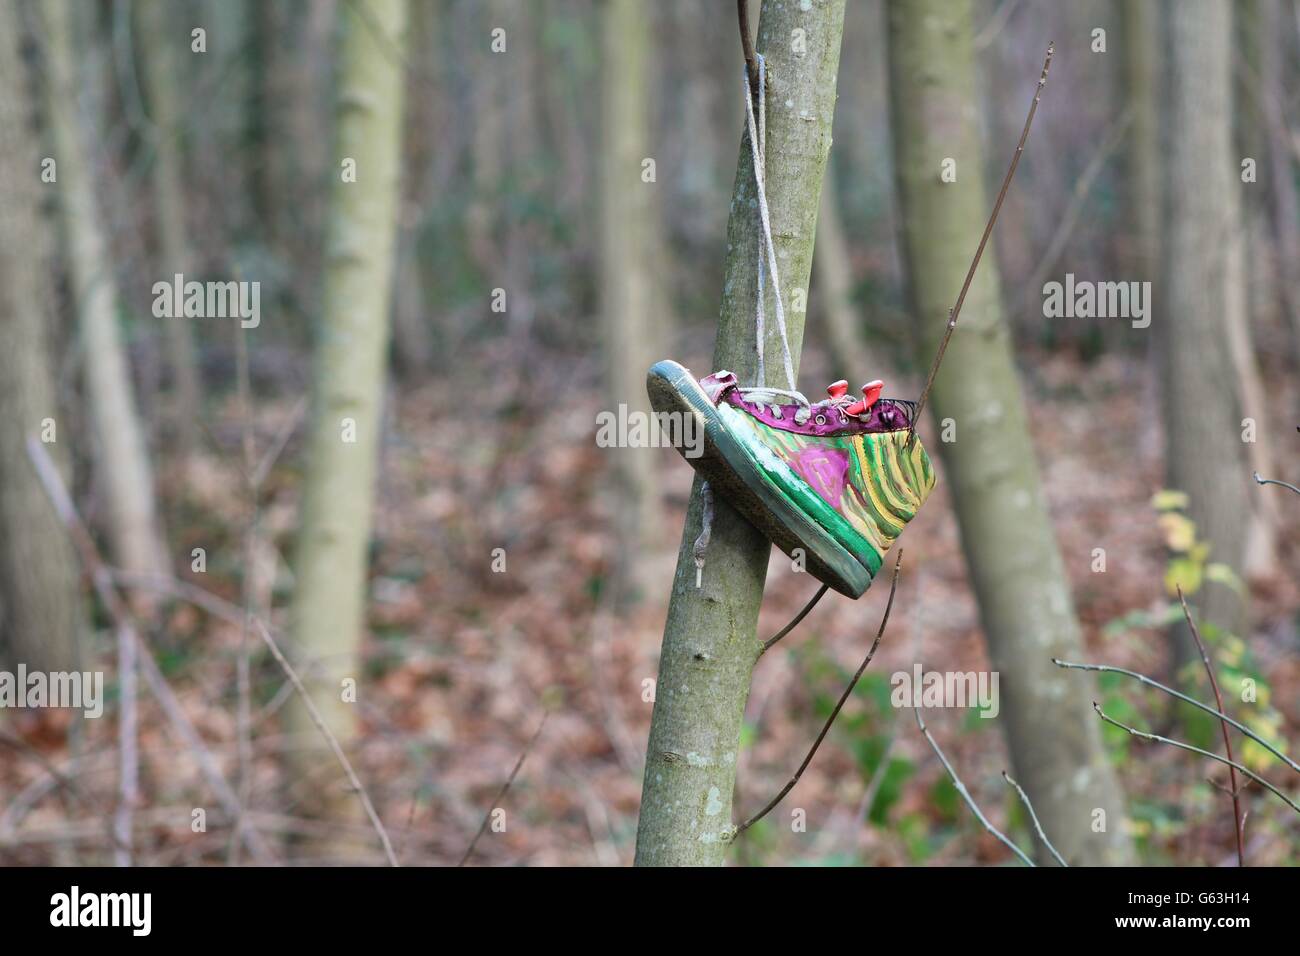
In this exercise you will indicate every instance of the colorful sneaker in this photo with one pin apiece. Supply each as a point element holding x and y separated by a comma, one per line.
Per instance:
<point>837,479</point>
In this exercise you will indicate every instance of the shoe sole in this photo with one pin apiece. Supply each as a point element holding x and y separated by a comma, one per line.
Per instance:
<point>730,468</point>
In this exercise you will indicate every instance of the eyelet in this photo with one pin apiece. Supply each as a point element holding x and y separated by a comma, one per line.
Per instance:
<point>821,419</point>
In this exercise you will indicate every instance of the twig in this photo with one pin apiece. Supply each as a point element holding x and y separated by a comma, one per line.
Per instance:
<point>1024,798</point>
<point>128,728</point>
<point>1196,750</point>
<point>102,581</point>
<point>243,676</point>
<point>64,781</point>
<point>979,252</point>
<point>333,741</point>
<point>1273,481</point>
<point>505,788</point>
<point>767,645</point>
<point>965,794</point>
<point>1227,742</point>
<point>1142,678</point>
<point>893,585</point>
<point>747,44</point>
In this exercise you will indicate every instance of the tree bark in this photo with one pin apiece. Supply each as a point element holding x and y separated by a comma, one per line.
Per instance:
<point>330,598</point>
<point>1205,456</point>
<point>41,605</point>
<point>990,467</point>
<point>710,644</point>
<point>158,39</point>
<point>123,466</point>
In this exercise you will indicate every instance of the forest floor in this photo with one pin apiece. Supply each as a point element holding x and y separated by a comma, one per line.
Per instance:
<point>463,661</point>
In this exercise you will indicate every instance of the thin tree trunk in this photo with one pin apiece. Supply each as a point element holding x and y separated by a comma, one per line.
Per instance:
<point>40,607</point>
<point>1286,208</point>
<point>1142,57</point>
<point>710,643</point>
<point>329,602</point>
<point>628,222</point>
<point>990,467</point>
<point>159,38</point>
<point>1202,286</point>
<point>833,288</point>
<point>1250,290</point>
<point>123,465</point>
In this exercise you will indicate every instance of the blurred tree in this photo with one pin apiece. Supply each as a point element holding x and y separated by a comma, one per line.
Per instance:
<point>122,461</point>
<point>1142,58</point>
<point>328,613</point>
<point>833,289</point>
<point>155,46</point>
<point>40,604</point>
<point>1274,41</point>
<point>1202,282</point>
<point>631,305</point>
<point>992,475</point>
<point>710,643</point>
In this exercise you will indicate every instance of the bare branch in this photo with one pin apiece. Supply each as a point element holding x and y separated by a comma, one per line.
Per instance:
<point>965,794</point>
<point>1142,678</point>
<point>1143,735</point>
<point>979,251</point>
<point>332,740</point>
<point>889,605</point>
<point>1227,741</point>
<point>505,788</point>
<point>747,44</point>
<point>1024,798</point>
<point>767,645</point>
<point>1274,481</point>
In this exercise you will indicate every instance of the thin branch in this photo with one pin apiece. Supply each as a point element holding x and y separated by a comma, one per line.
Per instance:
<point>889,605</point>
<point>965,794</point>
<point>747,44</point>
<point>1142,678</point>
<point>979,252</point>
<point>1227,741</point>
<point>767,645</point>
<point>1143,735</point>
<point>1024,798</point>
<point>102,580</point>
<point>332,740</point>
<point>1273,481</point>
<point>505,788</point>
<point>243,667</point>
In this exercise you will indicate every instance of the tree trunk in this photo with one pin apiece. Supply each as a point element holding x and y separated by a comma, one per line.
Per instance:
<point>992,474</point>
<point>1251,291</point>
<point>833,287</point>
<point>630,306</point>
<point>710,644</point>
<point>124,472</point>
<point>1142,56</point>
<point>158,38</point>
<point>330,597</point>
<point>40,603</point>
<point>1286,207</point>
<point>1205,456</point>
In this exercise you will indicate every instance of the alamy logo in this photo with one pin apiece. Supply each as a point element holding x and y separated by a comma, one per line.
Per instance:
<point>79,690</point>
<point>637,429</point>
<point>1098,300</point>
<point>208,300</point>
<point>930,689</point>
<point>134,910</point>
